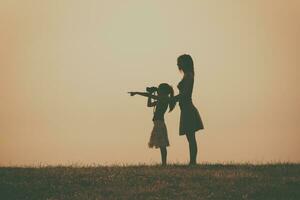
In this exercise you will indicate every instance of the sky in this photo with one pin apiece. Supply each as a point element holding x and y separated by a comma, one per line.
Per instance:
<point>66,67</point>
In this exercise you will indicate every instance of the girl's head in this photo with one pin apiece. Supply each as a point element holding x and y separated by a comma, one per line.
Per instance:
<point>185,63</point>
<point>165,89</point>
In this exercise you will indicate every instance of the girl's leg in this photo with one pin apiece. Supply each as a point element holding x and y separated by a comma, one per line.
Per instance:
<point>163,152</point>
<point>193,147</point>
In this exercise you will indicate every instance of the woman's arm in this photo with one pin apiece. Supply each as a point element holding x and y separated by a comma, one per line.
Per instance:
<point>176,98</point>
<point>186,89</point>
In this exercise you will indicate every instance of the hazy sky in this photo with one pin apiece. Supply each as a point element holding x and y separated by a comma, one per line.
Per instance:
<point>66,65</point>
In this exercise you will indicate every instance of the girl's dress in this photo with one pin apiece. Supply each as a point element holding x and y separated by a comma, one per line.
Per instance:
<point>190,120</point>
<point>159,135</point>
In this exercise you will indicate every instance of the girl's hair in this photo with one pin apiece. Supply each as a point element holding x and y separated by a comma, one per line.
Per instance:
<point>167,89</point>
<point>185,63</point>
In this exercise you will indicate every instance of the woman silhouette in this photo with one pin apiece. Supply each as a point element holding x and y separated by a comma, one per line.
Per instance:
<point>190,120</point>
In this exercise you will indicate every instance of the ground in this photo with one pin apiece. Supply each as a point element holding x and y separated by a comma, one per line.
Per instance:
<point>209,181</point>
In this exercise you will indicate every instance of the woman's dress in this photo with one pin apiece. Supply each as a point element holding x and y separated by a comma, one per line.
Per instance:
<point>190,120</point>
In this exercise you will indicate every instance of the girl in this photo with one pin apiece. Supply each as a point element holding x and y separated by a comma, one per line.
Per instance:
<point>159,134</point>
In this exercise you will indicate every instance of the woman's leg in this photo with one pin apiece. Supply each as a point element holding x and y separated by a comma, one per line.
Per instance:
<point>193,147</point>
<point>163,152</point>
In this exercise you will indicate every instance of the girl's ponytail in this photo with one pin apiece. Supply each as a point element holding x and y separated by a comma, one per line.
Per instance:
<point>171,102</point>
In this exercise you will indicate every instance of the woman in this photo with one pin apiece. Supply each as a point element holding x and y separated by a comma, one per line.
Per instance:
<point>190,120</point>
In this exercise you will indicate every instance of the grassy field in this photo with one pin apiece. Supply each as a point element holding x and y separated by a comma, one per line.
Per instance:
<point>210,181</point>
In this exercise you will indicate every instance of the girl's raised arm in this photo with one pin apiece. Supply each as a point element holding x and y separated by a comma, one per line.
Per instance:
<point>151,103</point>
<point>144,94</point>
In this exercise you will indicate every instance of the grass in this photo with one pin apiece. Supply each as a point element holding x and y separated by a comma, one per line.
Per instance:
<point>208,181</point>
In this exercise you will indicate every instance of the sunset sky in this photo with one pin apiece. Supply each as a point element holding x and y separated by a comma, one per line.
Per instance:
<point>66,65</point>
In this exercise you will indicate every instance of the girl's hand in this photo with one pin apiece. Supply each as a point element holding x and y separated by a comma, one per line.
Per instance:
<point>132,93</point>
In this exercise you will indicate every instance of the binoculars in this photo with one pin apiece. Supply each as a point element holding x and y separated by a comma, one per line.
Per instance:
<point>151,89</point>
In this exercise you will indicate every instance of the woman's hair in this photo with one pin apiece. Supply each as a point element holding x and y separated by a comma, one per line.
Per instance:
<point>185,63</point>
<point>167,89</point>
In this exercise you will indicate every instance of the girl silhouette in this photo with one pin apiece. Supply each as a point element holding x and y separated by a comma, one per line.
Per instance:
<point>159,134</point>
<point>190,120</point>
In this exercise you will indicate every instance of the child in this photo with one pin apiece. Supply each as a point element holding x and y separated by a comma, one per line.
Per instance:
<point>159,134</point>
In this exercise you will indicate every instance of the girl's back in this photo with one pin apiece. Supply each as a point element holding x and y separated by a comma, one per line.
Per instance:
<point>160,109</point>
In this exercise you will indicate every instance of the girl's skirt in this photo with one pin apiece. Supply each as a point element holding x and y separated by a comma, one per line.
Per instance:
<point>159,135</point>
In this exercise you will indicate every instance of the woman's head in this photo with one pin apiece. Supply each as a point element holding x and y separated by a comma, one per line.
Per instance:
<point>165,89</point>
<point>185,63</point>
